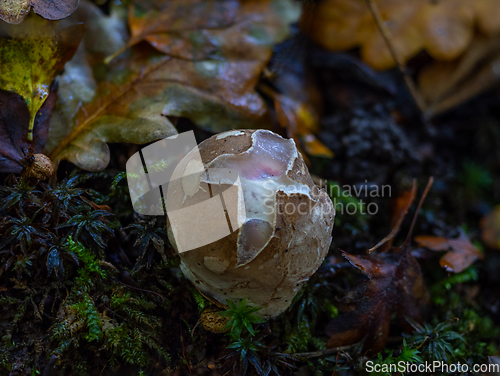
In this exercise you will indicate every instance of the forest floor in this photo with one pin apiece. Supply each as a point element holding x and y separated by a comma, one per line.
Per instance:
<point>88,287</point>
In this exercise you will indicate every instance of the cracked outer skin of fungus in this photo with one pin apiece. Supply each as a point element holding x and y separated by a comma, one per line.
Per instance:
<point>285,224</point>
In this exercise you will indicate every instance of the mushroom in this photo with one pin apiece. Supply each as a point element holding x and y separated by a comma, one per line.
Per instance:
<point>280,223</point>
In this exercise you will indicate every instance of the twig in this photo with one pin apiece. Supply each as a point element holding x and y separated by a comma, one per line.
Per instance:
<point>399,221</point>
<point>316,354</point>
<point>182,346</point>
<point>415,93</point>
<point>136,288</point>
<point>424,195</point>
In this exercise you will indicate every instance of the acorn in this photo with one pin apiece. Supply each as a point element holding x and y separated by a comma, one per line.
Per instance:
<point>212,321</point>
<point>278,222</point>
<point>39,167</point>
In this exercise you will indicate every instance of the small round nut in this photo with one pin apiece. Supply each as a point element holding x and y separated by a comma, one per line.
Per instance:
<point>40,168</point>
<point>212,321</point>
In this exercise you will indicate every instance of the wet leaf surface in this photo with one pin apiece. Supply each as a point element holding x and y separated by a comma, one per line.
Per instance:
<point>185,29</point>
<point>136,92</point>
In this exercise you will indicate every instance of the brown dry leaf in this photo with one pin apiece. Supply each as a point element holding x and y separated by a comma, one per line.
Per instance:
<point>443,28</point>
<point>181,28</point>
<point>136,93</point>
<point>490,226</point>
<point>301,121</point>
<point>296,97</point>
<point>395,287</point>
<point>15,11</point>
<point>461,252</point>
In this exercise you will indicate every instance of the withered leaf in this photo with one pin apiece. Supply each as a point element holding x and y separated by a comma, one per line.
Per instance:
<point>301,121</point>
<point>14,120</point>
<point>395,286</point>
<point>15,11</point>
<point>135,94</point>
<point>183,28</point>
<point>31,55</point>
<point>296,96</point>
<point>461,252</point>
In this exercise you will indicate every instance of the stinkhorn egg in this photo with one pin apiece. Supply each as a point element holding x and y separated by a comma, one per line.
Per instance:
<point>281,221</point>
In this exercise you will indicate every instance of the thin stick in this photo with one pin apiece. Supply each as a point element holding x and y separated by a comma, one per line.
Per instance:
<point>399,221</point>
<point>415,93</point>
<point>316,354</point>
<point>424,195</point>
<point>182,344</point>
<point>137,288</point>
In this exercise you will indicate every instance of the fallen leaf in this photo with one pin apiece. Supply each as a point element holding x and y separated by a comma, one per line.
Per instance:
<point>443,28</point>
<point>15,11</point>
<point>461,252</point>
<point>14,120</point>
<point>135,94</point>
<point>301,121</point>
<point>182,28</point>
<point>395,288</point>
<point>31,56</point>
<point>296,96</point>
<point>490,226</point>
<point>105,33</point>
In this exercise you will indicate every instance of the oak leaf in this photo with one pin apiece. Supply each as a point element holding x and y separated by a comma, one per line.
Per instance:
<point>31,55</point>
<point>182,28</point>
<point>137,92</point>
<point>443,28</point>
<point>15,11</point>
<point>395,287</point>
<point>461,252</point>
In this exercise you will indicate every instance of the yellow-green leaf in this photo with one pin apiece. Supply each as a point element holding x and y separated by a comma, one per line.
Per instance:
<point>31,56</point>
